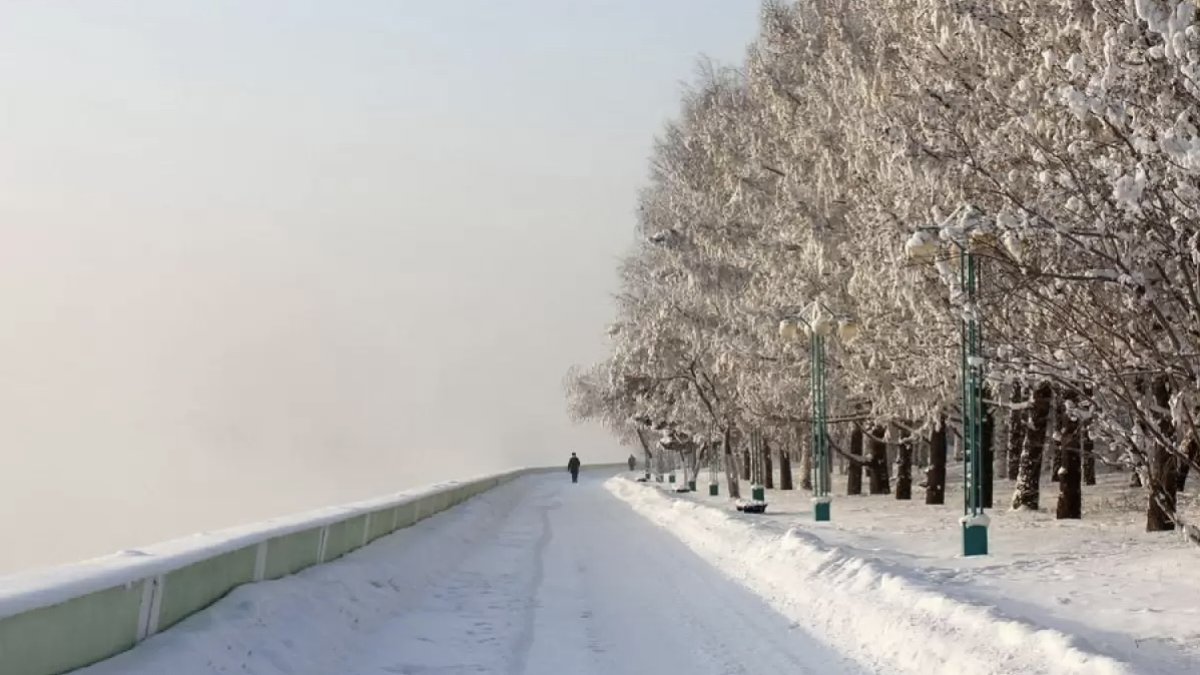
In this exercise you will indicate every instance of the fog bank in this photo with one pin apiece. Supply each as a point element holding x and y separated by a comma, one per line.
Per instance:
<point>261,257</point>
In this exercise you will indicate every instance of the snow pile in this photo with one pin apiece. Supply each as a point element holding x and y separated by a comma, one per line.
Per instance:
<point>887,619</point>
<point>1126,593</point>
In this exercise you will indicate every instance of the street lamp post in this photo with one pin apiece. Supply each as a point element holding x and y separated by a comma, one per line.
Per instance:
<point>818,322</point>
<point>714,488</point>
<point>820,432</point>
<point>758,492</point>
<point>924,247</point>
<point>974,520</point>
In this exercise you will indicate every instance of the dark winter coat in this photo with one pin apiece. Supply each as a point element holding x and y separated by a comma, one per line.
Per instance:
<point>573,465</point>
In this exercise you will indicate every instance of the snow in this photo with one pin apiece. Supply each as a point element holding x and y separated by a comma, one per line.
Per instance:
<point>536,576</point>
<point>1128,190</point>
<point>26,591</point>
<point>1168,21</point>
<point>1097,595</point>
<point>922,246</point>
<point>1077,65</point>
<point>978,520</point>
<point>543,576</point>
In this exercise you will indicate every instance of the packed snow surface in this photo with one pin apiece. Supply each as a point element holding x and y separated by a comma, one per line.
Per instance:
<point>536,576</point>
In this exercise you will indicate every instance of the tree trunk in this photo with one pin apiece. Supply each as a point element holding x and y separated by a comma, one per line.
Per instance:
<point>987,470</point>
<point>750,457</point>
<point>763,457</point>
<point>878,469</point>
<point>1016,432</point>
<point>1164,464</point>
<point>1070,491</point>
<point>854,473</point>
<point>904,468</point>
<point>935,482</point>
<point>785,469</point>
<point>1160,511</point>
<point>1029,476</point>
<point>768,468</point>
<point>646,449</point>
<point>731,467</point>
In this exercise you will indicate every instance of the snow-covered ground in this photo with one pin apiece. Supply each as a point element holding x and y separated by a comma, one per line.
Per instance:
<point>884,581</point>
<point>536,576</point>
<point>542,576</point>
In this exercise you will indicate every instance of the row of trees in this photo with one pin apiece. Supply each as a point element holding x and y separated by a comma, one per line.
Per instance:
<point>860,145</point>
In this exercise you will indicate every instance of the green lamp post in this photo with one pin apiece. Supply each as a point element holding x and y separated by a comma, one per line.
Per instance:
<point>924,246</point>
<point>974,521</point>
<point>820,432</point>
<point>819,324</point>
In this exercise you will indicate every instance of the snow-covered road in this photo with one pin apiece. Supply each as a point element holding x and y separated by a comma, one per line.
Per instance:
<point>571,581</point>
<point>537,576</point>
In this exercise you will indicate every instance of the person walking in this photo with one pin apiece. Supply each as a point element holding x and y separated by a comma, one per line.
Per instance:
<point>632,462</point>
<point>573,467</point>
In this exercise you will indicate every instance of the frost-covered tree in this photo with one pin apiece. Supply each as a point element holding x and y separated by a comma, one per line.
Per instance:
<point>861,148</point>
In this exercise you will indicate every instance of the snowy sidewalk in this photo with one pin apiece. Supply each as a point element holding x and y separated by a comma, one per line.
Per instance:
<point>883,582</point>
<point>537,576</point>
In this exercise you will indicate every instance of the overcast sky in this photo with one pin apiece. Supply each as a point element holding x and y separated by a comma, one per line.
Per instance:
<point>260,256</point>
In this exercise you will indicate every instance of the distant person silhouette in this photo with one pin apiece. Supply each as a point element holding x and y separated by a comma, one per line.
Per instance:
<point>573,467</point>
<point>632,462</point>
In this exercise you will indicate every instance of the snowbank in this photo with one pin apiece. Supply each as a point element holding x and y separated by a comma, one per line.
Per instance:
<point>883,616</point>
<point>1120,591</point>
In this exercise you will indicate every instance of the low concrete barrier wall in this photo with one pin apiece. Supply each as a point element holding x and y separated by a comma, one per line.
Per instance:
<point>61,619</point>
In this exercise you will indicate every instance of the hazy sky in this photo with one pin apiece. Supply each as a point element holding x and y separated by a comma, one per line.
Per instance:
<point>259,256</point>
